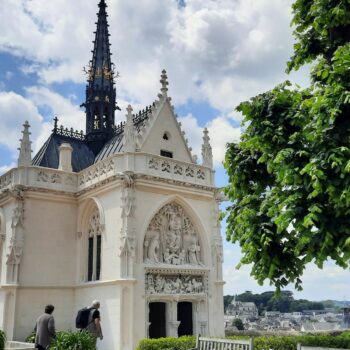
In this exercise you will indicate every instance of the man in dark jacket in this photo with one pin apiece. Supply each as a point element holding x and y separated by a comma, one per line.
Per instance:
<point>94,323</point>
<point>45,329</point>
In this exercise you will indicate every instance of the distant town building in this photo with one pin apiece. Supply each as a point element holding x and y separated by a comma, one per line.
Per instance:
<point>346,317</point>
<point>319,327</point>
<point>242,309</point>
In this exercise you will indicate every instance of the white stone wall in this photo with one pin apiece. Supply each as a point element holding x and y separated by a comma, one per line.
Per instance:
<point>53,263</point>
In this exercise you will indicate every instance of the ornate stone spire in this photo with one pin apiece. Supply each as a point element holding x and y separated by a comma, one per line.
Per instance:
<point>25,150</point>
<point>164,82</point>
<point>207,153</point>
<point>100,101</point>
<point>129,132</point>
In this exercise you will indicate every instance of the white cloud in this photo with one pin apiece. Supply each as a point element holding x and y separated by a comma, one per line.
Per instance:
<point>68,112</point>
<point>14,110</point>
<point>221,131</point>
<point>219,51</point>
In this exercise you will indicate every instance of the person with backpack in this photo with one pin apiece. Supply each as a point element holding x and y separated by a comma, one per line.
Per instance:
<point>89,319</point>
<point>45,329</point>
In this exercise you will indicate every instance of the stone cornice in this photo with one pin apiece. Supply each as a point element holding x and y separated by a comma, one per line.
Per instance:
<point>70,286</point>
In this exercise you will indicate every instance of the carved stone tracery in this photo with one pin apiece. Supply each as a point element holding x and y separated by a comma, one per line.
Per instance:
<point>95,228</point>
<point>171,238</point>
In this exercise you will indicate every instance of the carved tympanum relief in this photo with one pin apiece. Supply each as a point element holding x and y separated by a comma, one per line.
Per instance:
<point>163,284</point>
<point>171,238</point>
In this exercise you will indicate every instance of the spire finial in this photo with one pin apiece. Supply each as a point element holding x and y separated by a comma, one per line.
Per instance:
<point>164,82</point>
<point>129,132</point>
<point>25,150</point>
<point>207,154</point>
<point>100,103</point>
<point>102,3</point>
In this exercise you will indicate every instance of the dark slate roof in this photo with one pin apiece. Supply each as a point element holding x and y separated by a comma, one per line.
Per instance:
<point>82,156</point>
<point>115,145</point>
<point>48,156</point>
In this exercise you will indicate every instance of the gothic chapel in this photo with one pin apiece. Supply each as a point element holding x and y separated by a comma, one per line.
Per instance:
<point>122,214</point>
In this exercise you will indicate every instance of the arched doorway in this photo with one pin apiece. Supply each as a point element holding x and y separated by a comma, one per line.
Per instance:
<point>157,320</point>
<point>185,316</point>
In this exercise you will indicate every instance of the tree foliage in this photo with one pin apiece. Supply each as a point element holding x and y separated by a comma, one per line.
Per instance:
<point>289,176</point>
<point>238,323</point>
<point>284,302</point>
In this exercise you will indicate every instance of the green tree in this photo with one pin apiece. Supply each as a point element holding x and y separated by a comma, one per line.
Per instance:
<point>289,176</point>
<point>237,322</point>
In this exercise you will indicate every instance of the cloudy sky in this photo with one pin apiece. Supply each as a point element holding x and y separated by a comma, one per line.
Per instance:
<point>216,52</point>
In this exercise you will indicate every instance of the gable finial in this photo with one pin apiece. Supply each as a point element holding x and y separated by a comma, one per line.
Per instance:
<point>25,150</point>
<point>129,132</point>
<point>207,154</point>
<point>164,82</point>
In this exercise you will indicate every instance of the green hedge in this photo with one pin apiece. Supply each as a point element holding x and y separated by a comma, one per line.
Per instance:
<point>73,341</point>
<point>341,340</point>
<point>2,340</point>
<point>182,343</point>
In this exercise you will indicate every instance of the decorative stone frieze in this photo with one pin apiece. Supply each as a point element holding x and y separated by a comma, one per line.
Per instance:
<point>177,169</point>
<point>175,284</point>
<point>6,180</point>
<point>172,239</point>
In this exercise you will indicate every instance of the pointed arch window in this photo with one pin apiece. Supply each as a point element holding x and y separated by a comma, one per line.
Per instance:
<point>94,247</point>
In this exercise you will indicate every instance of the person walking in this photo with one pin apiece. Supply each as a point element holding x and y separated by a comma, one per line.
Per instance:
<point>94,322</point>
<point>45,329</point>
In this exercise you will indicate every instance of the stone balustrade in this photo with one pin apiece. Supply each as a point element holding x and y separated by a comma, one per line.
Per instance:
<point>139,163</point>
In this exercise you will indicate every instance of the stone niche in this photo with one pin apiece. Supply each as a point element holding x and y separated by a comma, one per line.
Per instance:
<point>171,239</point>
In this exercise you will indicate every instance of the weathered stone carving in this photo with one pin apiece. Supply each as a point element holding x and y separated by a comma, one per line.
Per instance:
<point>178,170</point>
<point>171,238</point>
<point>174,284</point>
<point>17,238</point>
<point>128,195</point>
<point>128,241</point>
<point>189,172</point>
<point>42,176</point>
<point>95,228</point>
<point>207,154</point>
<point>153,164</point>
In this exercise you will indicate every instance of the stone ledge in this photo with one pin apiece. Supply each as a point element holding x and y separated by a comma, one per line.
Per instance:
<point>15,345</point>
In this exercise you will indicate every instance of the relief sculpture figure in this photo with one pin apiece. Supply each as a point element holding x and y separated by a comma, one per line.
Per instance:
<point>172,238</point>
<point>153,249</point>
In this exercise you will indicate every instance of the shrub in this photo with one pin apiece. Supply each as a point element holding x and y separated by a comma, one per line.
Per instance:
<point>290,342</point>
<point>73,341</point>
<point>31,338</point>
<point>336,340</point>
<point>182,343</point>
<point>2,340</point>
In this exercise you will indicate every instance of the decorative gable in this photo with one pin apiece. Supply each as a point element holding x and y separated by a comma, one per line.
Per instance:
<point>162,134</point>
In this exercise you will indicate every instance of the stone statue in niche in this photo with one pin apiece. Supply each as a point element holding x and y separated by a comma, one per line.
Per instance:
<point>153,249</point>
<point>171,238</point>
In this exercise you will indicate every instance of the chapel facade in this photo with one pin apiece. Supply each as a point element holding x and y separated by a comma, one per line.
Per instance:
<point>121,213</point>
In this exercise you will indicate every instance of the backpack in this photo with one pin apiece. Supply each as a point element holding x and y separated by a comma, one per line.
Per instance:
<point>82,319</point>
